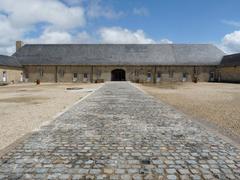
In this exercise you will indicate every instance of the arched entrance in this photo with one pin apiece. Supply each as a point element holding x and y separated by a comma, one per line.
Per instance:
<point>118,75</point>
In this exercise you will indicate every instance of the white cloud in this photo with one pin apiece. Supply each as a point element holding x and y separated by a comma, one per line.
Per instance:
<point>26,13</point>
<point>231,23</point>
<point>60,21</point>
<point>96,10</point>
<point>21,17</point>
<point>8,35</point>
<point>141,11</point>
<point>84,38</point>
<point>165,41</point>
<point>231,42</point>
<point>50,36</point>
<point>112,35</point>
<point>7,49</point>
<point>118,35</point>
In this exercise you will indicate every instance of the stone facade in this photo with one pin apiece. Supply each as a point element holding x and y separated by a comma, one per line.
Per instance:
<point>142,74</point>
<point>230,74</point>
<point>229,68</point>
<point>11,74</point>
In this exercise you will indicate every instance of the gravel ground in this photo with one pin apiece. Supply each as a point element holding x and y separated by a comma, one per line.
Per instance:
<point>25,107</point>
<point>216,103</point>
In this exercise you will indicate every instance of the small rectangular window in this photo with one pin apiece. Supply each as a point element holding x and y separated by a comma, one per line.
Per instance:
<point>171,74</point>
<point>149,74</point>
<point>212,75</point>
<point>98,74</point>
<point>41,73</point>
<point>159,74</point>
<point>26,74</point>
<point>4,76</point>
<point>40,70</point>
<point>136,73</point>
<point>184,75</point>
<point>85,75</point>
<point>61,73</point>
<point>75,75</point>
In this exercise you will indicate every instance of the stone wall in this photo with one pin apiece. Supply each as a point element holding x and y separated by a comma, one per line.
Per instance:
<point>230,74</point>
<point>44,73</point>
<point>11,74</point>
<point>142,74</point>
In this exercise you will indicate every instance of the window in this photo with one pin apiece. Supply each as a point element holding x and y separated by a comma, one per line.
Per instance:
<point>85,75</point>
<point>171,74</point>
<point>26,75</point>
<point>211,75</point>
<point>61,73</point>
<point>98,74</point>
<point>184,75</point>
<point>21,77</point>
<point>136,73</point>
<point>4,76</point>
<point>40,70</point>
<point>75,75</point>
<point>196,70</point>
<point>159,74</point>
<point>149,74</point>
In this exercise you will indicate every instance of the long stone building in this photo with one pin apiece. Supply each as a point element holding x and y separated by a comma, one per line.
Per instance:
<point>230,68</point>
<point>137,63</point>
<point>11,70</point>
<point>143,63</point>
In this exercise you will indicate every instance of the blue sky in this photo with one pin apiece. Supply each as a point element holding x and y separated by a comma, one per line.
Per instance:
<point>120,21</point>
<point>182,21</point>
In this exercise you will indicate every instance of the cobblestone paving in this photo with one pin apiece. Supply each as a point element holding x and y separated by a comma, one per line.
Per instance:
<point>120,133</point>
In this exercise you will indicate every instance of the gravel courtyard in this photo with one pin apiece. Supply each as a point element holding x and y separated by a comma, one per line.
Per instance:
<point>25,107</point>
<point>121,133</point>
<point>216,103</point>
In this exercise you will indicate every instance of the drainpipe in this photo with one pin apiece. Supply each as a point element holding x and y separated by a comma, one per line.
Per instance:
<point>56,77</point>
<point>154,74</point>
<point>91,75</point>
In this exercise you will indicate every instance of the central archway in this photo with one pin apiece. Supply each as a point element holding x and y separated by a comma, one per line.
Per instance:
<point>118,75</point>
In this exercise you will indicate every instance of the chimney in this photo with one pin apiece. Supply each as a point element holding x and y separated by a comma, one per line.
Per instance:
<point>19,44</point>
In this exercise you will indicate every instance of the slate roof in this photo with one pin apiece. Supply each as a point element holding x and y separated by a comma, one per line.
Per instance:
<point>9,61</point>
<point>119,54</point>
<point>231,60</point>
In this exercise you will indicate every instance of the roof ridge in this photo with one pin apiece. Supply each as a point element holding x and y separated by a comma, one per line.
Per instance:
<point>5,55</point>
<point>189,44</point>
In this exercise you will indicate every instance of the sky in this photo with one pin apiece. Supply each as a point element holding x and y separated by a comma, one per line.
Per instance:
<point>120,21</point>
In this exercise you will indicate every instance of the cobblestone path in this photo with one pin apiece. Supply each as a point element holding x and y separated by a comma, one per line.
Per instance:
<point>120,133</point>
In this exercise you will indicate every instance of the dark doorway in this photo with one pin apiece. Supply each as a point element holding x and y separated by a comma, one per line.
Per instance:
<point>118,75</point>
